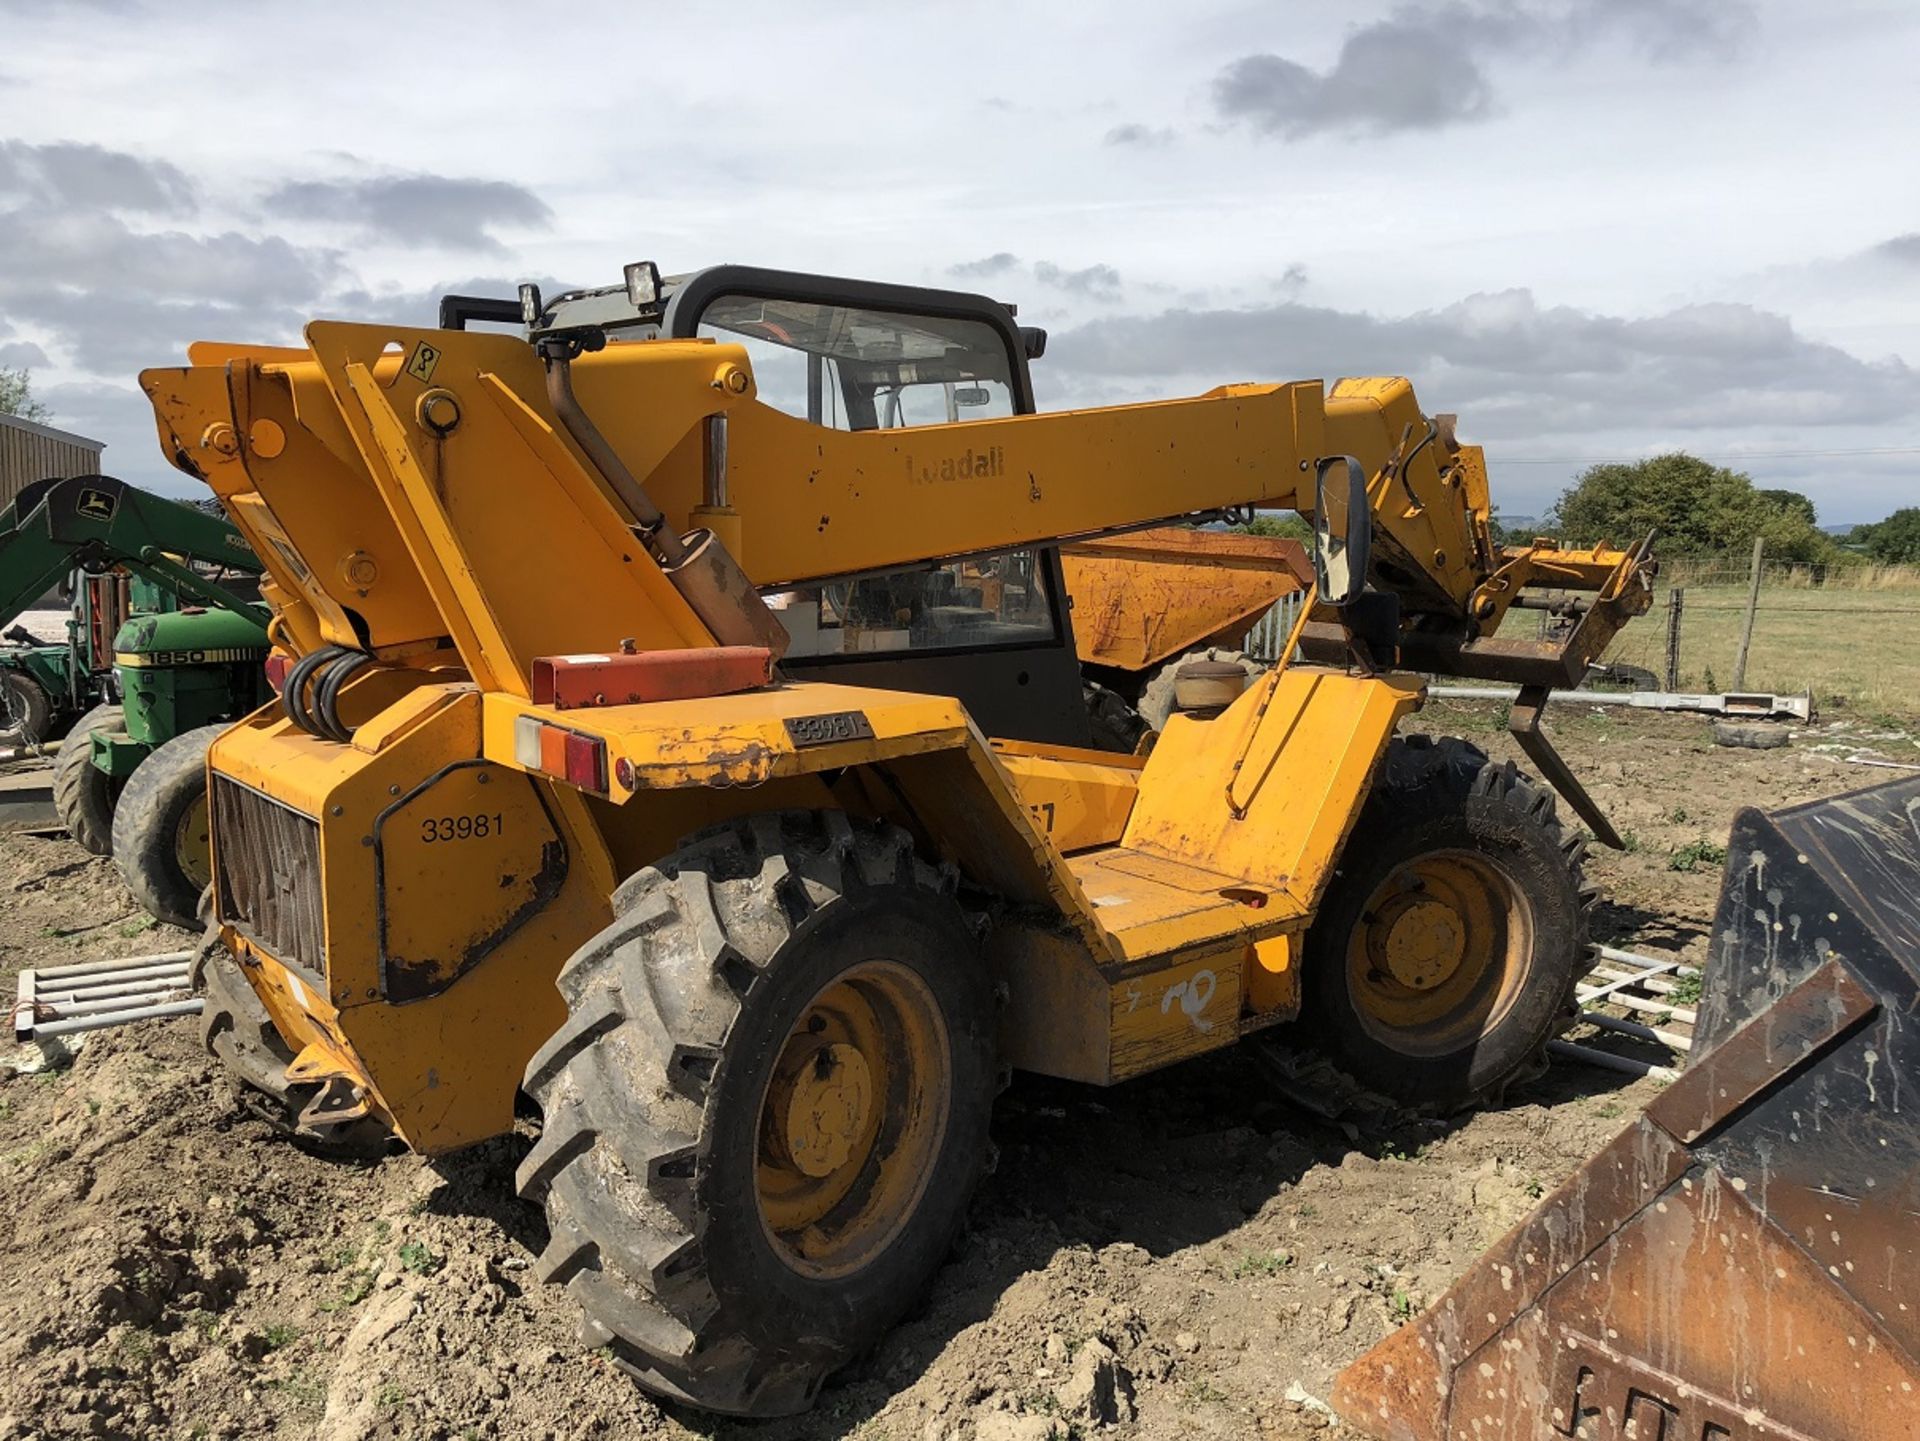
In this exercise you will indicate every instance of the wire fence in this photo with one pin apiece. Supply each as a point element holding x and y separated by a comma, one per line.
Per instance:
<point>1847,635</point>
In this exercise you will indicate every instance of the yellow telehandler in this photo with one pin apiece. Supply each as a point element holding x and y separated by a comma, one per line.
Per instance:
<point>637,756</point>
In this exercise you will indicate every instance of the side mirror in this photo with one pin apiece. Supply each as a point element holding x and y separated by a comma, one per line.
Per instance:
<point>1342,530</point>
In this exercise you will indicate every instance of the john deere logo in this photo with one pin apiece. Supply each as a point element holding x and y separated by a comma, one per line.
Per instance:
<point>98,504</point>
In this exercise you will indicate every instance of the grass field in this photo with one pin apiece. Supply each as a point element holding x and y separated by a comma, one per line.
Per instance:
<point>1855,647</point>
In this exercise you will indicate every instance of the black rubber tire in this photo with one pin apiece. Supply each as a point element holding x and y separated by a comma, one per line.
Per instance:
<point>236,1031</point>
<point>1157,696</point>
<point>25,707</point>
<point>1116,726</point>
<point>146,825</point>
<point>85,795</point>
<point>1435,795</point>
<point>651,1095</point>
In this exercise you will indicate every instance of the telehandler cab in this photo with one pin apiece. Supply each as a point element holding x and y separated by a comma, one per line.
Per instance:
<point>638,756</point>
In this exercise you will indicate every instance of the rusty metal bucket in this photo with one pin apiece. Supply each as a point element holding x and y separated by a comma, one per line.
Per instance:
<point>1142,598</point>
<point>1743,1262</point>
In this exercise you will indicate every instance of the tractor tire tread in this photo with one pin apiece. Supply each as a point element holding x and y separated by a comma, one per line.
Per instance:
<point>1424,777</point>
<point>82,794</point>
<point>146,819</point>
<point>237,1032</point>
<point>624,1133</point>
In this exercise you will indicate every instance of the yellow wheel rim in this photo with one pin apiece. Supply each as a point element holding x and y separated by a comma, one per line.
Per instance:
<point>1442,949</point>
<point>852,1119</point>
<point>193,844</point>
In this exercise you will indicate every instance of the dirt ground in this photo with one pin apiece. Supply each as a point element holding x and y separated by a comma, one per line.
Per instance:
<point>1188,1255</point>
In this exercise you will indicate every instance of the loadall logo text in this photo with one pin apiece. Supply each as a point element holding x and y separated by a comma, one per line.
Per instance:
<point>970,465</point>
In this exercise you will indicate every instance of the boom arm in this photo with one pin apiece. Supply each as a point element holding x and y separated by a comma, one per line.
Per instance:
<point>411,485</point>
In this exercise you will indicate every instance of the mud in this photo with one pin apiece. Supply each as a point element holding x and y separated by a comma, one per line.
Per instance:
<point>1188,1255</point>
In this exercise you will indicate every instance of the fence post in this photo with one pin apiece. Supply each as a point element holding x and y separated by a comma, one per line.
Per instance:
<point>1746,624</point>
<point>1676,598</point>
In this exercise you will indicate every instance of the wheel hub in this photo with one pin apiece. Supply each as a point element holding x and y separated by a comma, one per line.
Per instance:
<point>193,844</point>
<point>852,1118</point>
<point>1443,945</point>
<point>1424,944</point>
<point>828,1104</point>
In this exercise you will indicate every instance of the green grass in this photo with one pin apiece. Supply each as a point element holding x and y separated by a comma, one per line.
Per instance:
<point>418,1259</point>
<point>1694,854</point>
<point>1261,1263</point>
<point>1834,641</point>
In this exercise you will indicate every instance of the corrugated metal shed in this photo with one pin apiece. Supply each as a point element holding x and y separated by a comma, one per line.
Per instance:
<point>30,451</point>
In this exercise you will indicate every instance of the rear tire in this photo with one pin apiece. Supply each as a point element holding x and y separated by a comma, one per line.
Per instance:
<point>160,828</point>
<point>1115,725</point>
<point>1447,949</point>
<point>84,794</point>
<point>27,707</point>
<point>745,1181</point>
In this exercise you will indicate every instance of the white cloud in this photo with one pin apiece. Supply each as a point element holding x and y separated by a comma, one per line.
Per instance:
<point>1595,249</point>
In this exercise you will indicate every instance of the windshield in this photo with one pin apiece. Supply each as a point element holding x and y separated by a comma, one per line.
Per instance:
<point>852,368</point>
<point>971,605</point>
<point>856,369</point>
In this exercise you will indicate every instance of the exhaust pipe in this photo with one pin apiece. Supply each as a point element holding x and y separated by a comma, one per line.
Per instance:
<point>700,566</point>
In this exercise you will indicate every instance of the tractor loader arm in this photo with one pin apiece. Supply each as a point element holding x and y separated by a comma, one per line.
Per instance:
<point>95,521</point>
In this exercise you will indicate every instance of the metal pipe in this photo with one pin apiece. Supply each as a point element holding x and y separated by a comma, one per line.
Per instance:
<point>173,980</point>
<point>647,516</point>
<point>120,1018</point>
<point>1754,706</point>
<point>1606,1060</point>
<point>112,1005</point>
<point>1648,980</point>
<point>54,973</point>
<point>1634,958</point>
<point>1637,1031</point>
<point>715,487</point>
<point>59,984</point>
<point>1612,983</point>
<point>1683,1014</point>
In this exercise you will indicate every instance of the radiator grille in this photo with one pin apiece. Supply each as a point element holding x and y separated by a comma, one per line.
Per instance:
<point>269,859</point>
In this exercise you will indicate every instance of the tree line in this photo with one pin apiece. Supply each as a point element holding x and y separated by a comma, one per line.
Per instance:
<point>1704,509</point>
<point>1699,509</point>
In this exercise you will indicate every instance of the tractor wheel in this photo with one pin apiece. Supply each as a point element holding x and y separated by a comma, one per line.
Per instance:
<point>25,707</point>
<point>1116,726</point>
<point>1157,698</point>
<point>1447,949</point>
<point>767,1110</point>
<point>160,839</point>
<point>83,793</point>
<point>236,1031</point>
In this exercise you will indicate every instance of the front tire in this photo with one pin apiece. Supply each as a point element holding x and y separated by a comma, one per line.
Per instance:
<point>1446,952</point>
<point>237,1032</point>
<point>160,840</point>
<point>767,1110</point>
<point>84,794</point>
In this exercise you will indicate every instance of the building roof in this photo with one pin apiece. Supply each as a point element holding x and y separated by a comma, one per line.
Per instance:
<point>33,427</point>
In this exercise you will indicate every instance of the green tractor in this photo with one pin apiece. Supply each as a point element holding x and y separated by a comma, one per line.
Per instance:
<point>165,646</point>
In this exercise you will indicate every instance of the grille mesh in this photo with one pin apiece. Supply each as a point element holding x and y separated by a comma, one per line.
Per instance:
<point>269,872</point>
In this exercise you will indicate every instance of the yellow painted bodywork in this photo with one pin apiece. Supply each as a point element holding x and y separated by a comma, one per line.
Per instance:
<point>1147,911</point>
<point>1143,598</point>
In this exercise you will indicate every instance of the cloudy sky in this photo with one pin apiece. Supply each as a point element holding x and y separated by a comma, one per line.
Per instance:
<point>1595,228</point>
